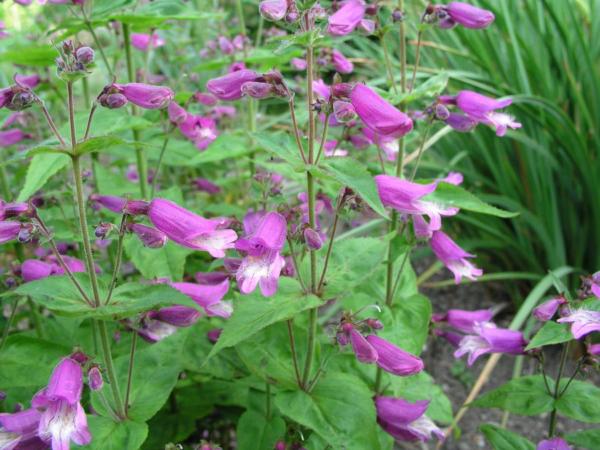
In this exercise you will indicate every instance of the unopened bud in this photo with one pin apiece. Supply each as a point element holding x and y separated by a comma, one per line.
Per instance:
<point>375,324</point>
<point>21,100</point>
<point>102,230</point>
<point>343,111</point>
<point>85,55</point>
<point>441,112</point>
<point>114,101</point>
<point>256,89</point>
<point>25,233</point>
<point>397,16</point>
<point>150,237</point>
<point>67,46</point>
<point>136,207</point>
<point>342,90</point>
<point>313,239</point>
<point>371,10</point>
<point>95,380</point>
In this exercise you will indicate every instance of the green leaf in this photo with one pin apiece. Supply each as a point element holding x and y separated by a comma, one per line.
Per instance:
<point>41,169</point>
<point>339,409</point>
<point>551,333</point>
<point>98,144</point>
<point>155,372</point>
<point>352,262</point>
<point>254,312</point>
<point>164,262</point>
<point>451,195</point>
<point>282,146</point>
<point>502,439</point>
<point>581,401</point>
<point>109,435</point>
<point>407,325</point>
<point>28,361</point>
<point>153,14</point>
<point>30,55</point>
<point>431,88</point>
<point>255,432</point>
<point>58,294</point>
<point>354,175</point>
<point>526,396</point>
<point>589,439</point>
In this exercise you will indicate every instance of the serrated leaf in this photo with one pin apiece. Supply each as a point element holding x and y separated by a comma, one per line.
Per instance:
<point>581,401</point>
<point>339,409</point>
<point>526,396</point>
<point>254,312</point>
<point>451,195</point>
<point>551,333</point>
<point>41,169</point>
<point>98,144</point>
<point>58,294</point>
<point>503,439</point>
<point>589,439</point>
<point>110,435</point>
<point>354,175</point>
<point>255,432</point>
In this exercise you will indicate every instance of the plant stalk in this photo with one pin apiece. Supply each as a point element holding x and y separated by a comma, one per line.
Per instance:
<point>130,371</point>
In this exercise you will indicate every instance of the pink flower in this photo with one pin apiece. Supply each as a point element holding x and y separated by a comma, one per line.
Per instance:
<point>33,269</point>
<point>583,322</point>
<point>553,444</point>
<point>454,257</point>
<point>273,10</point>
<point>19,430</point>
<point>143,41</point>
<point>340,63</point>
<point>393,359</point>
<point>546,310</point>
<point>63,418</point>
<point>487,338</point>
<point>379,115</point>
<point>189,229</point>
<point>208,296</point>
<point>201,130</point>
<point>9,231</point>
<point>150,237</point>
<point>466,15</point>
<point>463,320</point>
<point>146,95</point>
<point>229,87</point>
<point>404,420</point>
<point>347,18</point>
<point>12,137</point>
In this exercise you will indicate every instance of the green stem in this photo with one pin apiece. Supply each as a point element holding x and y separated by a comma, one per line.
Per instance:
<point>110,370</point>
<point>140,156</point>
<point>13,312</point>
<point>4,184</point>
<point>313,313</point>
<point>268,401</point>
<point>293,350</point>
<point>296,129</point>
<point>119,257</point>
<point>296,266</point>
<point>130,370</point>
<point>323,139</point>
<point>388,64</point>
<point>561,367</point>
<point>420,151</point>
<point>89,122</point>
<point>417,58</point>
<point>35,314</point>
<point>98,45</point>
<point>51,123</point>
<point>158,164</point>
<point>330,246</point>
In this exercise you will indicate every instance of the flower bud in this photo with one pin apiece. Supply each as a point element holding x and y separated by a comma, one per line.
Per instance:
<point>25,233</point>
<point>213,335</point>
<point>22,99</point>
<point>136,207</point>
<point>150,237</point>
<point>397,16</point>
<point>343,111</point>
<point>113,101</point>
<point>177,114</point>
<point>375,324</point>
<point>67,46</point>
<point>342,90</point>
<point>273,10</point>
<point>441,112</point>
<point>313,239</point>
<point>146,96</point>
<point>85,55</point>
<point>102,230</point>
<point>95,380</point>
<point>2,396</point>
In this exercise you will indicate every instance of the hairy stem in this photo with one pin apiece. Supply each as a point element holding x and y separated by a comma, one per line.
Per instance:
<point>51,123</point>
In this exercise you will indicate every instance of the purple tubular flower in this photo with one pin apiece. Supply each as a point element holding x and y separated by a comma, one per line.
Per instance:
<point>146,96</point>
<point>378,114</point>
<point>12,137</point>
<point>389,144</point>
<point>18,431</point>
<point>406,198</point>
<point>404,420</point>
<point>553,444</point>
<point>204,185</point>
<point>273,10</point>
<point>546,310</point>
<point>179,316</point>
<point>229,87</point>
<point>583,322</point>
<point>189,229</point>
<point>454,257</point>
<point>483,109</point>
<point>363,350</point>
<point>201,130</point>
<point>263,270</point>
<point>177,114</point>
<point>347,18</point>
<point>209,297</point>
<point>62,418</point>
<point>313,239</point>
<point>487,338</point>
<point>464,320</point>
<point>110,202</point>
<point>340,62</point>
<point>298,63</point>
<point>257,89</point>
<point>264,232</point>
<point>393,359</point>
<point>33,269</point>
<point>205,99</point>
<point>226,46</point>
<point>469,16</point>
<point>9,231</point>
<point>150,237</point>
<point>30,81</point>
<point>460,122</point>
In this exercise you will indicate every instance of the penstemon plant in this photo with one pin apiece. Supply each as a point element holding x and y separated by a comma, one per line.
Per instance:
<point>276,300</point>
